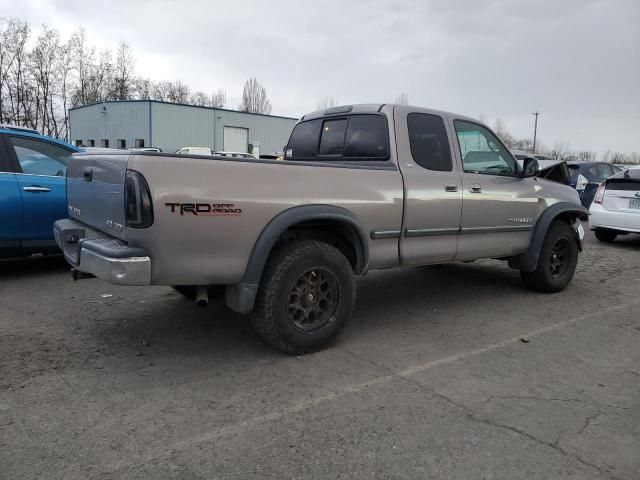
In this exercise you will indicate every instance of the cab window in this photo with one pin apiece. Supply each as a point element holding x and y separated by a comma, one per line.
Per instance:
<point>40,158</point>
<point>428,141</point>
<point>355,137</point>
<point>482,152</point>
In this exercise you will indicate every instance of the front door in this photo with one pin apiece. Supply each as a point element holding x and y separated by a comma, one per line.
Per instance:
<point>10,206</point>
<point>41,182</point>
<point>499,206</point>
<point>433,188</point>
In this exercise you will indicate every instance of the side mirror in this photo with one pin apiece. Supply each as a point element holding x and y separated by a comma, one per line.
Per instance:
<point>530,167</point>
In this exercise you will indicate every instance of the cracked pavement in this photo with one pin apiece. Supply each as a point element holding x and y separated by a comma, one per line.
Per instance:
<point>431,379</point>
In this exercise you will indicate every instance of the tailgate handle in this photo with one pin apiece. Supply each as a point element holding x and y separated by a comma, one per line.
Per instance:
<point>88,174</point>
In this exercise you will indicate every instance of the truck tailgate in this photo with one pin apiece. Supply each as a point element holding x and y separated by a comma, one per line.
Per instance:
<point>95,191</point>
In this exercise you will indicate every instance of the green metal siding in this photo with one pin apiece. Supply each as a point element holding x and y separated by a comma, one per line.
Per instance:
<point>112,121</point>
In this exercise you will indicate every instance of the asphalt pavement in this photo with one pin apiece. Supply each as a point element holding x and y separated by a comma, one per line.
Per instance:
<point>445,372</point>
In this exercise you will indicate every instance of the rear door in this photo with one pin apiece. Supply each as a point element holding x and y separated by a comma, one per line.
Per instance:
<point>41,182</point>
<point>499,207</point>
<point>432,188</point>
<point>10,205</point>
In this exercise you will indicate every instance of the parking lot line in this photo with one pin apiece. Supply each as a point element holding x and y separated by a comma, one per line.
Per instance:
<point>357,387</point>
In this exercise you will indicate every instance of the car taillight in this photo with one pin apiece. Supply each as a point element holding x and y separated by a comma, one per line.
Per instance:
<point>581,183</point>
<point>600,193</point>
<point>137,201</point>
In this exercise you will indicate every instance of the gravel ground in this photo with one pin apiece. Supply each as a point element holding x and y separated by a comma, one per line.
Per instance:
<point>447,372</point>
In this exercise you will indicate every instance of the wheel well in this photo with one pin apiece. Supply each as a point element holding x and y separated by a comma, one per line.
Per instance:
<point>568,217</point>
<point>333,232</point>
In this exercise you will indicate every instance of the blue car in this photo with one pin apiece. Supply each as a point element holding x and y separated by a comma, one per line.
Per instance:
<point>587,176</point>
<point>32,190</point>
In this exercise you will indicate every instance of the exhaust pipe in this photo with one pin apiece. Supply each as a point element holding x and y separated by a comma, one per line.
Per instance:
<point>202,295</point>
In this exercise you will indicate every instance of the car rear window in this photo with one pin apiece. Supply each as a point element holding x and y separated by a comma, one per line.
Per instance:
<point>355,137</point>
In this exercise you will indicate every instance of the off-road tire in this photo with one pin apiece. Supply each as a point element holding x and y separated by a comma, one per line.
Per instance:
<point>605,235</point>
<point>189,291</point>
<point>557,262</point>
<point>278,303</point>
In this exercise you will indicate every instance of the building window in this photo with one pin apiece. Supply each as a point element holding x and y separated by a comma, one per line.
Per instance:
<point>139,142</point>
<point>104,143</point>
<point>92,143</point>
<point>78,143</point>
<point>122,143</point>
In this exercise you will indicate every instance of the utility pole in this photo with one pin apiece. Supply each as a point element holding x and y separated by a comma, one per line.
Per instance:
<point>535,130</point>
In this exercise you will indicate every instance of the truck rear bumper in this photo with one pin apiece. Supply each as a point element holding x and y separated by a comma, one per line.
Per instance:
<point>108,258</point>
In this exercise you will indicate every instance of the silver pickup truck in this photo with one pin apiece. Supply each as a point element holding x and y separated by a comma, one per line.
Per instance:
<point>361,187</point>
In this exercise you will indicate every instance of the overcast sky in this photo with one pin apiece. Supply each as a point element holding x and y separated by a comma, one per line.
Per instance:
<point>575,61</point>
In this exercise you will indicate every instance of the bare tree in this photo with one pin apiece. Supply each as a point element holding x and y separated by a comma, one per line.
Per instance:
<point>178,92</point>
<point>402,99</point>
<point>142,88</point>
<point>199,99</point>
<point>254,98</point>
<point>218,99</point>
<point>326,102</point>
<point>10,33</point>
<point>17,81</point>
<point>123,82</point>
<point>618,157</point>
<point>500,129</point>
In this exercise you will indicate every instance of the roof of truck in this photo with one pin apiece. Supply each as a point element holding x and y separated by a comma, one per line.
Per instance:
<point>378,107</point>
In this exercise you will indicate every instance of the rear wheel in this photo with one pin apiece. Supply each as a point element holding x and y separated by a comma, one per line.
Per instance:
<point>605,235</point>
<point>557,262</point>
<point>306,296</point>
<point>189,291</point>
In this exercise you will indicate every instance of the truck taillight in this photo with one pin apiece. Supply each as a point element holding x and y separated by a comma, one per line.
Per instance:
<point>600,193</point>
<point>137,201</point>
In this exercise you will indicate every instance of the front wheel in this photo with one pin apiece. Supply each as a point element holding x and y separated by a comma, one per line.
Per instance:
<point>306,296</point>
<point>557,262</point>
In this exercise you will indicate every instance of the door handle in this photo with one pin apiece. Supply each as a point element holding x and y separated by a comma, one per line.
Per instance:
<point>450,188</point>
<point>475,188</point>
<point>36,189</point>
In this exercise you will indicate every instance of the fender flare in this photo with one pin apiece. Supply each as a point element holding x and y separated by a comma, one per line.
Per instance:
<point>528,261</point>
<point>241,297</point>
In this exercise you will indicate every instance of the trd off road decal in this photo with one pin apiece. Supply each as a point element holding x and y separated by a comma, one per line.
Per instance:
<point>205,209</point>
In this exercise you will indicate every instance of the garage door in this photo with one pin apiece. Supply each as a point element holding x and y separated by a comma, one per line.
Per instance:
<point>236,139</point>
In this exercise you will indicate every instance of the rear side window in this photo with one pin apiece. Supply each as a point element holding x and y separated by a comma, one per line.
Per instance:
<point>357,137</point>
<point>303,143</point>
<point>429,142</point>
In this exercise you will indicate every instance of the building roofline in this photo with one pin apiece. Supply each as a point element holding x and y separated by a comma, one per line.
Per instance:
<point>181,105</point>
<point>39,136</point>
